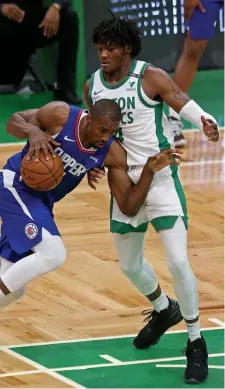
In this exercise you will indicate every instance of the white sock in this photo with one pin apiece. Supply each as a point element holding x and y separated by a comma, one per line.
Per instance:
<point>161,302</point>
<point>194,331</point>
<point>173,113</point>
<point>11,297</point>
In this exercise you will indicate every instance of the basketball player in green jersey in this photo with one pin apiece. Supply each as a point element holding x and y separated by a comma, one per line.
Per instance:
<point>140,90</point>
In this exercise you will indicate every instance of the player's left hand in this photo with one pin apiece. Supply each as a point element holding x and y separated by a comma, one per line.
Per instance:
<point>163,159</point>
<point>50,23</point>
<point>210,129</point>
<point>94,175</point>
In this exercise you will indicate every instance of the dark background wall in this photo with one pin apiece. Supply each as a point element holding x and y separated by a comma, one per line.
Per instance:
<point>162,26</point>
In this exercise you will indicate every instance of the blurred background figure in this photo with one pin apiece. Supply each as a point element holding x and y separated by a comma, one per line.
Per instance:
<point>201,17</point>
<point>25,26</point>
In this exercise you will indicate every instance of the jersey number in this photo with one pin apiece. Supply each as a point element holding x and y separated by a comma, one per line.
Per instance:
<point>119,135</point>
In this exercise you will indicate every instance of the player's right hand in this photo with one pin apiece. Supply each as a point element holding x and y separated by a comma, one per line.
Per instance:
<point>13,12</point>
<point>163,159</point>
<point>40,140</point>
<point>189,7</point>
<point>94,175</point>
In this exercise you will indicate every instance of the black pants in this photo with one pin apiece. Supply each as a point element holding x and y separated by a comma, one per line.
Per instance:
<point>19,40</point>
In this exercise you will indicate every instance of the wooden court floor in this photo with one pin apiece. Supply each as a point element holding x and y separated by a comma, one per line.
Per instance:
<point>88,296</point>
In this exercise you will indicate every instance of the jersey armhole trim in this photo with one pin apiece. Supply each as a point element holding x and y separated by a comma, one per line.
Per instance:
<point>142,96</point>
<point>90,90</point>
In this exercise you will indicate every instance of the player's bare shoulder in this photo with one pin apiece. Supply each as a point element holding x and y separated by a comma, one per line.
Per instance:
<point>53,116</point>
<point>153,80</point>
<point>156,82</point>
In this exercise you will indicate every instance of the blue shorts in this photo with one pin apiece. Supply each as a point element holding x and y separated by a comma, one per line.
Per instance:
<point>201,25</point>
<point>24,213</point>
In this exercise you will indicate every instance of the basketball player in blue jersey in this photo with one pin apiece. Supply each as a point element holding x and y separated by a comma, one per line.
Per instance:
<point>30,244</point>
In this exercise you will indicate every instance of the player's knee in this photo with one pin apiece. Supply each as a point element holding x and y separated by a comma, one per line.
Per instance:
<point>53,252</point>
<point>178,265</point>
<point>194,49</point>
<point>129,248</point>
<point>58,252</point>
<point>130,268</point>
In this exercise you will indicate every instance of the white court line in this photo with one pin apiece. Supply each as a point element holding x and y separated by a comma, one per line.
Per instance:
<point>217,321</point>
<point>183,366</point>
<point>98,338</point>
<point>115,361</point>
<point>12,144</point>
<point>196,163</point>
<point>197,130</point>
<point>111,359</point>
<point>21,373</point>
<point>138,362</point>
<point>23,143</point>
<point>42,369</point>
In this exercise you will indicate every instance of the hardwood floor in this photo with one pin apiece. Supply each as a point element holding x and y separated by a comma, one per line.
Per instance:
<point>89,296</point>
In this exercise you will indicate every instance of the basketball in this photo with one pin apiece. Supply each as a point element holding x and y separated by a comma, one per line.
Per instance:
<point>43,175</point>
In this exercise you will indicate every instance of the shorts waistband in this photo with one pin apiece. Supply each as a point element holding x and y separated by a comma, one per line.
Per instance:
<point>133,167</point>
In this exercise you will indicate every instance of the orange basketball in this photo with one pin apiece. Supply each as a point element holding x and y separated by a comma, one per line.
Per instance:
<point>42,175</point>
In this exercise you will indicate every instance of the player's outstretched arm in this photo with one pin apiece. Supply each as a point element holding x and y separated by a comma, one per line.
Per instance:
<point>38,125</point>
<point>131,197</point>
<point>156,82</point>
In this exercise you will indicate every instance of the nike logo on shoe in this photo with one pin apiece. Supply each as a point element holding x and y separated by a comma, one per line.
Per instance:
<point>97,93</point>
<point>68,139</point>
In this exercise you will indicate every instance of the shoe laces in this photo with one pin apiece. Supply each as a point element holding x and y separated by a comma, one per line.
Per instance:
<point>196,354</point>
<point>152,314</point>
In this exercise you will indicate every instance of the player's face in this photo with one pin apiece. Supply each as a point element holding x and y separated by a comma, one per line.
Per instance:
<point>111,57</point>
<point>101,130</point>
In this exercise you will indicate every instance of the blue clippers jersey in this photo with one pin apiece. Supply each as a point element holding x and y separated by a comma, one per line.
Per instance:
<point>77,160</point>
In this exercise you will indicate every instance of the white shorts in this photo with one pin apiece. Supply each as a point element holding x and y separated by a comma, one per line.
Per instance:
<point>165,202</point>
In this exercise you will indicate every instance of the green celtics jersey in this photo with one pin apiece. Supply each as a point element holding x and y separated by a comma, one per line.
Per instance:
<point>144,129</point>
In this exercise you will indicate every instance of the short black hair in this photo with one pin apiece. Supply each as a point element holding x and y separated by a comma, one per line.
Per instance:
<point>107,108</point>
<point>120,32</point>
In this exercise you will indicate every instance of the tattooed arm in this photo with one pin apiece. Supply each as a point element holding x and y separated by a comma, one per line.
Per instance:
<point>156,83</point>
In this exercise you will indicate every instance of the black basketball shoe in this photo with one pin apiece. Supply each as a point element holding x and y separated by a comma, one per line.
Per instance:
<point>158,323</point>
<point>197,361</point>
